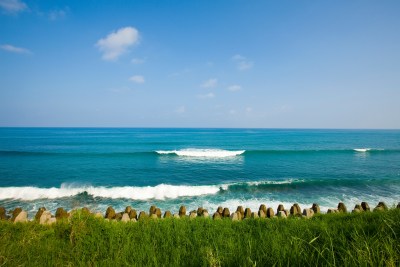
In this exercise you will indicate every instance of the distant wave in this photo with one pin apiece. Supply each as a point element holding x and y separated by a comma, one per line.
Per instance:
<point>362,149</point>
<point>206,153</point>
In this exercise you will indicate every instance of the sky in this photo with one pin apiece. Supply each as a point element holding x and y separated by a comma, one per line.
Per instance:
<point>246,64</point>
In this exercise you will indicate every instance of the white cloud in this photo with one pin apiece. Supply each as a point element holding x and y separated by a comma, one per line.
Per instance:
<point>14,49</point>
<point>138,61</point>
<point>13,6</point>
<point>234,88</point>
<point>58,14</point>
<point>137,79</point>
<point>210,83</point>
<point>118,42</point>
<point>205,96</point>
<point>242,63</point>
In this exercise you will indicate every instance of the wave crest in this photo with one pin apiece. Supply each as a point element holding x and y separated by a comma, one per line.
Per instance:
<point>205,153</point>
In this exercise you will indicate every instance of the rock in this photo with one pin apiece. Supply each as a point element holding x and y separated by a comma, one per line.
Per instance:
<point>153,216</point>
<point>235,216</point>
<point>297,207</point>
<point>158,212</point>
<point>199,211</point>
<point>142,215</point>
<point>152,210</point>
<point>85,210</point>
<point>118,216</point>
<point>398,206</point>
<point>333,211</point>
<point>365,206</point>
<point>128,209</point>
<point>315,208</point>
<point>308,213</point>
<point>220,210</point>
<point>286,212</point>
<point>247,213</point>
<point>61,214</point>
<point>21,217</point>
<point>383,205</point>
<point>3,215</point>
<point>356,210</point>
<point>51,221</point>
<point>342,207</point>
<point>216,216</point>
<point>205,214</point>
<point>39,213</point>
<point>167,214</point>
<point>182,211</point>
<point>241,210</point>
<point>270,213</point>
<point>110,213</point>
<point>282,214</point>
<point>176,216</point>
<point>358,207</point>
<point>125,217</point>
<point>98,215</point>
<point>280,208</point>
<point>261,214</point>
<point>192,214</point>
<point>15,213</point>
<point>293,211</point>
<point>133,220</point>
<point>45,217</point>
<point>263,208</point>
<point>254,215</point>
<point>132,214</point>
<point>226,213</point>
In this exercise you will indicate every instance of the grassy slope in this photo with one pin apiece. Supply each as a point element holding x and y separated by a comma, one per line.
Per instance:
<point>334,239</point>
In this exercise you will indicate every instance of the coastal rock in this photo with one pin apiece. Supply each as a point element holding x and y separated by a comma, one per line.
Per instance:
<point>282,214</point>
<point>263,208</point>
<point>192,214</point>
<point>110,213</point>
<point>247,213</point>
<point>216,216</point>
<point>333,211</point>
<point>61,214</point>
<point>98,215</point>
<point>315,208</point>
<point>128,209</point>
<point>270,213</point>
<point>132,214</point>
<point>356,210</point>
<point>358,206</point>
<point>176,216</point>
<point>254,215</point>
<point>342,207</point>
<point>45,217</point>
<point>235,216</point>
<point>220,210</point>
<point>182,211</point>
<point>280,208</point>
<point>308,213</point>
<point>205,214</point>
<point>133,220</point>
<point>125,217</point>
<point>241,210</point>
<point>51,221</point>
<point>286,212</point>
<point>143,215</point>
<point>261,214</point>
<point>383,205</point>
<point>226,213</point>
<point>158,212</point>
<point>200,211</point>
<point>15,213</point>
<point>297,208</point>
<point>21,217</point>
<point>294,210</point>
<point>153,216</point>
<point>118,216</point>
<point>3,215</point>
<point>167,214</point>
<point>85,210</point>
<point>398,206</point>
<point>152,210</point>
<point>365,206</point>
<point>39,213</point>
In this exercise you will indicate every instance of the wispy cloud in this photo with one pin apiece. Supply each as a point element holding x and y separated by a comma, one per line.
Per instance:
<point>234,88</point>
<point>14,49</point>
<point>210,83</point>
<point>58,14</point>
<point>137,79</point>
<point>13,6</point>
<point>117,43</point>
<point>242,63</point>
<point>205,96</point>
<point>138,61</point>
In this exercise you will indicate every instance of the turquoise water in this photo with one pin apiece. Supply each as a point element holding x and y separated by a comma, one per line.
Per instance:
<point>97,167</point>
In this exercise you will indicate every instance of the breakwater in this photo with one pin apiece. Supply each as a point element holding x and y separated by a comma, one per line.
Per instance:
<point>130,214</point>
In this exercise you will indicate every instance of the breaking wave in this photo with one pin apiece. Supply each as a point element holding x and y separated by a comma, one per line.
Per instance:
<point>205,153</point>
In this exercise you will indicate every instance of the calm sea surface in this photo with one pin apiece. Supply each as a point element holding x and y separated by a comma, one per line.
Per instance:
<point>97,167</point>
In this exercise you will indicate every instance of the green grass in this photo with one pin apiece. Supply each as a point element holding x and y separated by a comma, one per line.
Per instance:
<point>366,239</point>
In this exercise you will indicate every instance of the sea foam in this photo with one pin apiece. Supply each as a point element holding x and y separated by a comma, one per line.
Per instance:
<point>207,153</point>
<point>362,149</point>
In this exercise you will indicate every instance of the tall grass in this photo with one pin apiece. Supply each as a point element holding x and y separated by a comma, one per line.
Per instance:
<point>366,239</point>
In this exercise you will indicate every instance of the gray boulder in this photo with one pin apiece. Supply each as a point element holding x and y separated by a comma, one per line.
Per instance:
<point>21,217</point>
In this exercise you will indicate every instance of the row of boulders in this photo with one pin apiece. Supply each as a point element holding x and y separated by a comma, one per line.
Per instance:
<point>44,216</point>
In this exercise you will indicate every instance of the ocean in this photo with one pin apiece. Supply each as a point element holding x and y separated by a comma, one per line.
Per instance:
<point>99,167</point>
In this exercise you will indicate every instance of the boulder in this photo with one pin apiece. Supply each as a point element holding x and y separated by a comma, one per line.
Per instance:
<point>98,215</point>
<point>192,214</point>
<point>365,206</point>
<point>51,221</point>
<point>167,214</point>
<point>356,210</point>
<point>200,211</point>
<point>118,216</point>
<point>254,215</point>
<point>132,214</point>
<point>110,213</point>
<point>280,208</point>
<point>342,207</point>
<point>182,211</point>
<point>15,213</point>
<point>294,211</point>
<point>152,210</point>
<point>3,215</point>
<point>333,211</point>
<point>383,205</point>
<point>358,207</point>
<point>176,216</point>
<point>308,213</point>
<point>61,214</point>
<point>235,216</point>
<point>142,215</point>
<point>315,208</point>
<point>297,207</point>
<point>205,214</point>
<point>45,217</point>
<point>398,206</point>
<point>216,216</point>
<point>282,214</point>
<point>220,210</point>
<point>158,212</point>
<point>263,208</point>
<point>226,213</point>
<point>39,213</point>
<point>153,216</point>
<point>85,210</point>
<point>261,214</point>
<point>270,213</point>
<point>286,212</point>
<point>241,210</point>
<point>247,213</point>
<point>128,209</point>
<point>133,220</point>
<point>125,217</point>
<point>21,217</point>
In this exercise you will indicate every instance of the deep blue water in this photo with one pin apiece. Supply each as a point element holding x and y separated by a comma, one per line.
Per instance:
<point>97,167</point>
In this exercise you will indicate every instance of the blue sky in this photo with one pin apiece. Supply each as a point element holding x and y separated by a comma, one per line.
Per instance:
<point>269,64</point>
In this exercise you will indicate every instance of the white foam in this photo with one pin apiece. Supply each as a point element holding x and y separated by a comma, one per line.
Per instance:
<point>205,153</point>
<point>161,191</point>
<point>362,149</point>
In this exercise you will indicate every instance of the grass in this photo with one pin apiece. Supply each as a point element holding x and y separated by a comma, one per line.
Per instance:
<point>364,239</point>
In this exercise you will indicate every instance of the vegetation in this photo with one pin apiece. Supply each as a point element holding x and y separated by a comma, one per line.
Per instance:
<point>366,239</point>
